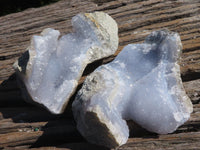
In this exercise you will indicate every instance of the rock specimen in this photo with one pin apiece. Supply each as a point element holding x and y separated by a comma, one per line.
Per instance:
<point>52,66</point>
<point>142,84</point>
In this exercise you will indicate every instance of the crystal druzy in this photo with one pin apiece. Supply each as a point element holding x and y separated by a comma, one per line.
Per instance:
<point>52,66</point>
<point>142,84</point>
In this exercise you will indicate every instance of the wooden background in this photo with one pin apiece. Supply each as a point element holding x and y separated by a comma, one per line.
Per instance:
<point>24,125</point>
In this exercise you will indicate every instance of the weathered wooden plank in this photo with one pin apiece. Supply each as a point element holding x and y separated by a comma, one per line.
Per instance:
<point>182,141</point>
<point>39,133</point>
<point>136,19</point>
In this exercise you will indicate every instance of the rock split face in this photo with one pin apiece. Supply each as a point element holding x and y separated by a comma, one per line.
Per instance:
<point>142,84</point>
<point>52,66</point>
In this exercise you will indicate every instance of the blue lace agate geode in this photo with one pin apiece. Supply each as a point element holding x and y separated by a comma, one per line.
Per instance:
<point>142,84</point>
<point>53,66</point>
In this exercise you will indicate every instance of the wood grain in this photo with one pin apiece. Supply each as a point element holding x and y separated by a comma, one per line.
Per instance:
<point>24,126</point>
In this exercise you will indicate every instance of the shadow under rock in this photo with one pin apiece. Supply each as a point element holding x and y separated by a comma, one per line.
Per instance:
<point>62,133</point>
<point>10,94</point>
<point>136,131</point>
<point>83,146</point>
<point>94,65</point>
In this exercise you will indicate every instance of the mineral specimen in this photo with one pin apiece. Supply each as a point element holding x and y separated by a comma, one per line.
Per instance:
<point>52,66</point>
<point>142,84</point>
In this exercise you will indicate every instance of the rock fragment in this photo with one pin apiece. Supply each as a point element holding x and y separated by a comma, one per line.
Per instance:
<point>142,84</point>
<point>52,66</point>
